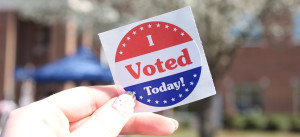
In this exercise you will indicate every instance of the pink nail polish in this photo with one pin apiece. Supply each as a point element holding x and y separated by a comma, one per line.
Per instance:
<point>124,102</point>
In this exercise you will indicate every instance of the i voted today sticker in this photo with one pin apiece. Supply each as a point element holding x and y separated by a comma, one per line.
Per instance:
<point>161,60</point>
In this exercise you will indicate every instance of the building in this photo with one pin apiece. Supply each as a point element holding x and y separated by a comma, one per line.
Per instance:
<point>265,75</point>
<point>26,43</point>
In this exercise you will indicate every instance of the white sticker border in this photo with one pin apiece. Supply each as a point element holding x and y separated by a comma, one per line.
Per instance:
<point>182,18</point>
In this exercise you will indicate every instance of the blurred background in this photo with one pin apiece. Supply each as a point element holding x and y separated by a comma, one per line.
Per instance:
<point>252,47</point>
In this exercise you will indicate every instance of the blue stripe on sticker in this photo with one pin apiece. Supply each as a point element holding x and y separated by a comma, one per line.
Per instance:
<point>168,90</point>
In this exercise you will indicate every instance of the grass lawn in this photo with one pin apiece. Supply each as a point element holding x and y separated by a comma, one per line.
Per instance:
<point>230,133</point>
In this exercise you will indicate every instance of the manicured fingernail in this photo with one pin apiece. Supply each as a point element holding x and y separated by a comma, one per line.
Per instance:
<point>124,102</point>
<point>175,123</point>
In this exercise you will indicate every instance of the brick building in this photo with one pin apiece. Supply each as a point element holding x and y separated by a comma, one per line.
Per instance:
<point>26,43</point>
<point>265,75</point>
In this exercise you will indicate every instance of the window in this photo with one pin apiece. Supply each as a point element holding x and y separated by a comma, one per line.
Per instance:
<point>248,99</point>
<point>296,29</point>
<point>255,32</point>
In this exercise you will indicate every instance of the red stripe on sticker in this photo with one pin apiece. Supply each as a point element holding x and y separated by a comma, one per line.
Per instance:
<point>150,37</point>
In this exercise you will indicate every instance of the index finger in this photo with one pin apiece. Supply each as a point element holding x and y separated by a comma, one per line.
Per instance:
<point>80,102</point>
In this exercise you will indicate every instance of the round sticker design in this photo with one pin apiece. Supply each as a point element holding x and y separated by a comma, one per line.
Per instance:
<point>159,62</point>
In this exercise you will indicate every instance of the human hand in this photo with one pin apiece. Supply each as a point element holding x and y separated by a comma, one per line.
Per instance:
<point>85,112</point>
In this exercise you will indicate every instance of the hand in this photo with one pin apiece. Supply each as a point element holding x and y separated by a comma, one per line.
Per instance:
<point>85,112</point>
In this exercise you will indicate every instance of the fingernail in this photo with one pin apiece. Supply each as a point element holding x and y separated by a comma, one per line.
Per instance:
<point>175,123</point>
<point>124,102</point>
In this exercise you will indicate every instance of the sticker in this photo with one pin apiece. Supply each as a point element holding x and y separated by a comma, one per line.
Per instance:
<point>160,60</point>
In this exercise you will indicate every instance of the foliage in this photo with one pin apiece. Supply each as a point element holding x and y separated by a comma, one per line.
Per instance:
<point>262,122</point>
<point>239,122</point>
<point>278,122</point>
<point>254,133</point>
<point>295,123</point>
<point>235,122</point>
<point>258,122</point>
<point>227,122</point>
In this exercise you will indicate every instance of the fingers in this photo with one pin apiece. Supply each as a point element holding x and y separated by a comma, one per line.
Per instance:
<point>108,120</point>
<point>150,124</point>
<point>79,106</point>
<point>74,125</point>
<point>81,102</point>
<point>143,124</point>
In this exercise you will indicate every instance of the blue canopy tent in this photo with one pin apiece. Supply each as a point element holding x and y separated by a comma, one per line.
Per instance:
<point>23,73</point>
<point>82,66</point>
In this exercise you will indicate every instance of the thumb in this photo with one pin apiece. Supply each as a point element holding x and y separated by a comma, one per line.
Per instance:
<point>108,120</point>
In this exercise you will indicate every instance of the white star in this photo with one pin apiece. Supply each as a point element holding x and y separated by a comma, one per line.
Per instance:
<point>128,38</point>
<point>186,90</point>
<point>141,28</point>
<point>133,32</point>
<point>133,93</point>
<point>148,100</point>
<point>121,52</point>
<point>156,101</point>
<point>182,34</point>
<point>174,29</point>
<point>173,99</point>
<point>149,26</point>
<point>123,44</point>
<point>165,101</point>
<point>192,83</point>
<point>195,75</point>
<point>141,97</point>
<point>157,25</point>
<point>180,95</point>
<point>167,26</point>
